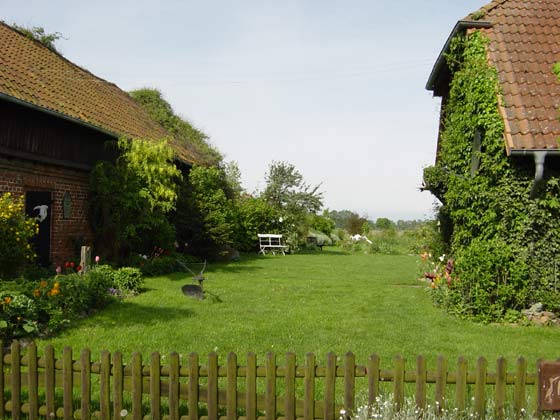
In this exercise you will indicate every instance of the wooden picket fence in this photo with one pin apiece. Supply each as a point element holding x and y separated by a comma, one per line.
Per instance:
<point>43,386</point>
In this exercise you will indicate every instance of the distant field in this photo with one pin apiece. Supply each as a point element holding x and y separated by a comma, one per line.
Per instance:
<point>321,302</point>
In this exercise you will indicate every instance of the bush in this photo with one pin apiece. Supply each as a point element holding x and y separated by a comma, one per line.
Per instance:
<point>16,229</point>
<point>488,283</point>
<point>128,279</point>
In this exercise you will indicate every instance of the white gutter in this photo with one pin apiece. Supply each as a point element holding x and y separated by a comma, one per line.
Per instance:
<point>539,156</point>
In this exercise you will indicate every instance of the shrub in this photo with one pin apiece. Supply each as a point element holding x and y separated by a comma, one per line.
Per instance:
<point>128,279</point>
<point>17,315</point>
<point>16,229</point>
<point>255,216</point>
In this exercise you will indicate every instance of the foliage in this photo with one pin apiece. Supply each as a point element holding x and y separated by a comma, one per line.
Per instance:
<point>131,199</point>
<point>287,192</point>
<point>38,34</point>
<point>486,197</point>
<point>46,306</point>
<point>205,219</point>
<point>354,224</point>
<point>322,223</point>
<point>16,229</point>
<point>183,131</point>
<point>383,223</point>
<point>255,216</point>
<point>128,279</point>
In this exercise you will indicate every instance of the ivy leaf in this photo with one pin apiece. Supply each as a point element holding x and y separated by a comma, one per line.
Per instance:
<point>3,324</point>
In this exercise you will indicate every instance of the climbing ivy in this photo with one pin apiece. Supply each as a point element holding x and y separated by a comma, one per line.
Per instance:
<point>505,244</point>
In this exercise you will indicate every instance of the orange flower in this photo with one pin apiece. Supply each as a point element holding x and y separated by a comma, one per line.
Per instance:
<point>36,293</point>
<point>54,291</point>
<point>7,300</point>
<point>43,283</point>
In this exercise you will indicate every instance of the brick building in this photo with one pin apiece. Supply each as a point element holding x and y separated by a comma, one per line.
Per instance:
<point>55,119</point>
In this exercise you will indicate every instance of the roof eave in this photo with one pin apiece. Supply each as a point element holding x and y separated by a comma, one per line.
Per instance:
<point>35,107</point>
<point>460,26</point>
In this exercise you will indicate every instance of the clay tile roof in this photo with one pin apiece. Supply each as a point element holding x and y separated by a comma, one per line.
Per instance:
<point>524,45</point>
<point>34,75</point>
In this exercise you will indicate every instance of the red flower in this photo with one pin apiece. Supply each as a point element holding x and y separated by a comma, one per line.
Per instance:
<point>79,268</point>
<point>66,264</point>
<point>72,264</point>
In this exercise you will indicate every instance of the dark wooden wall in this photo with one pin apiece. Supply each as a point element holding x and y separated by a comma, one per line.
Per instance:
<point>34,135</point>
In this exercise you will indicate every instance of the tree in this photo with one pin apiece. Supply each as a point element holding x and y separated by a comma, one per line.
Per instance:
<point>38,34</point>
<point>132,198</point>
<point>354,224</point>
<point>286,190</point>
<point>382,223</point>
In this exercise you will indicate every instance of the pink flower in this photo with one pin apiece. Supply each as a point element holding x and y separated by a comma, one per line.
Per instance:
<point>97,259</point>
<point>58,269</point>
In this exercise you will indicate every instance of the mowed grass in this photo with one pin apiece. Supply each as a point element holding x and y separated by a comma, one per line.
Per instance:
<point>321,302</point>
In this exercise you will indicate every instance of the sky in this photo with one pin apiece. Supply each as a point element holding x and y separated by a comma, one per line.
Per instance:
<point>334,87</point>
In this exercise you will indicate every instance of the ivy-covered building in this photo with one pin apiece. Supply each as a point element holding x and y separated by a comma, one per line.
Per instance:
<point>498,157</point>
<point>55,118</point>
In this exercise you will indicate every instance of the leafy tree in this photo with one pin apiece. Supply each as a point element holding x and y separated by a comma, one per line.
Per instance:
<point>205,219</point>
<point>38,34</point>
<point>286,190</point>
<point>132,198</point>
<point>183,131</point>
<point>323,223</point>
<point>354,223</point>
<point>382,223</point>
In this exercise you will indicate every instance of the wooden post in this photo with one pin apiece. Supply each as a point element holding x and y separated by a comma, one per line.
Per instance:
<point>231,389</point>
<point>373,378</point>
<point>398,383</point>
<point>85,258</point>
<point>309,387</point>
<point>290,381</point>
<point>174,386</point>
<point>420,394</point>
<point>270,405</point>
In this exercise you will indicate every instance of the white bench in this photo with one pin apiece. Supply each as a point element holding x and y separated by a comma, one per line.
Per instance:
<point>272,243</point>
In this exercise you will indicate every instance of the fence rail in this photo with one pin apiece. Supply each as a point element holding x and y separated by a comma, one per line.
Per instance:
<point>34,385</point>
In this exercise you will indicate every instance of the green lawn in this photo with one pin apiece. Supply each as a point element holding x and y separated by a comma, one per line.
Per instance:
<point>320,302</point>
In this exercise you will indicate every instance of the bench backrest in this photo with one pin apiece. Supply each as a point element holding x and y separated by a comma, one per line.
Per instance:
<point>269,239</point>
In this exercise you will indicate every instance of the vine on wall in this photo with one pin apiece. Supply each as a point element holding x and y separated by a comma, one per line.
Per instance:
<point>505,244</point>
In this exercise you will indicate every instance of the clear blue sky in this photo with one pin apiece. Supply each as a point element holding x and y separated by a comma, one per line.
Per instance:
<point>334,87</point>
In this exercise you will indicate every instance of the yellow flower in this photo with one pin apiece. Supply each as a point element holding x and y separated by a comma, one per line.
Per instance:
<point>7,300</point>
<point>43,283</point>
<point>36,293</point>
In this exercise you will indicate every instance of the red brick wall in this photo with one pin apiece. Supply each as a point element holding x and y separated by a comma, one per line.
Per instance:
<point>19,176</point>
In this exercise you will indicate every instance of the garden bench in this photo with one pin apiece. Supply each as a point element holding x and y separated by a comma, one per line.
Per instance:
<point>272,243</point>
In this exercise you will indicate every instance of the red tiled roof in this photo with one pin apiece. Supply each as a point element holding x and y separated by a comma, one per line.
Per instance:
<point>34,75</point>
<point>524,45</point>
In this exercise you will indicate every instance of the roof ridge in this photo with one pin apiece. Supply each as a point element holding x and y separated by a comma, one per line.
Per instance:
<point>482,11</point>
<point>54,51</point>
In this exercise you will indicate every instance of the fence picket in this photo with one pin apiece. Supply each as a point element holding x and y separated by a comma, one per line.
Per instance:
<point>349,381</point>
<point>32,381</point>
<point>500,387</point>
<point>193,386</point>
<point>398,383</point>
<point>136,386</point>
<point>15,384</point>
<point>519,390</point>
<point>441,382</point>
<point>309,387</point>
<point>480,388</point>
<point>330,380</point>
<point>50,380</point>
<point>155,386</point>
<point>174,387</point>
<point>251,387</point>
<point>420,390</point>
<point>104,385</point>
<point>212,396</point>
<point>290,381</point>
<point>231,386</point>
<point>118,385</point>
<point>270,393</point>
<point>67,382</point>
<point>461,384</point>
<point>373,378</point>
<point>85,381</point>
